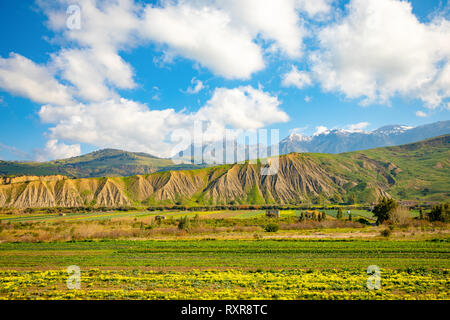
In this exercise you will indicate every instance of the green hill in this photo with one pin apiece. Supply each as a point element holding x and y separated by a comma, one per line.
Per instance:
<point>418,171</point>
<point>107,162</point>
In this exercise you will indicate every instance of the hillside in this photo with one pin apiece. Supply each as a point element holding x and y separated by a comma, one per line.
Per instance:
<point>107,162</point>
<point>414,171</point>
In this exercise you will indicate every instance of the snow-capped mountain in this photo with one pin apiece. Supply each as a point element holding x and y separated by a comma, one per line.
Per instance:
<point>393,129</point>
<point>327,141</point>
<point>340,140</point>
<point>220,152</point>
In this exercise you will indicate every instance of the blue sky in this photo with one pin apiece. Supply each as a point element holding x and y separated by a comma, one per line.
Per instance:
<point>122,79</point>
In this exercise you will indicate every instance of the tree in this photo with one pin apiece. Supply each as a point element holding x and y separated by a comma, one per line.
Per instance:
<point>184,223</point>
<point>324,216</point>
<point>340,214</point>
<point>352,199</point>
<point>383,209</point>
<point>421,214</point>
<point>440,212</point>
<point>302,217</point>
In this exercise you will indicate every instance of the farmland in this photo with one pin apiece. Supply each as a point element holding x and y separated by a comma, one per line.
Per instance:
<point>231,269</point>
<point>221,255</point>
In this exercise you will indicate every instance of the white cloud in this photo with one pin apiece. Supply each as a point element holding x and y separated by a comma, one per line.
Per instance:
<point>243,108</point>
<point>296,78</point>
<point>357,127</point>
<point>93,72</point>
<point>320,130</point>
<point>274,20</point>
<point>316,7</point>
<point>103,23</point>
<point>57,150</point>
<point>95,67</point>
<point>380,49</point>
<point>23,77</point>
<point>308,99</point>
<point>223,36</point>
<point>421,114</point>
<point>129,125</point>
<point>197,86</point>
<point>206,35</point>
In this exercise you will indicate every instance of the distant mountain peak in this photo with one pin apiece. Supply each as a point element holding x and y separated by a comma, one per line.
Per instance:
<point>295,136</point>
<point>393,129</point>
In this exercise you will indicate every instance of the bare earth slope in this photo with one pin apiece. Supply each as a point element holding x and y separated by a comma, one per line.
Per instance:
<point>414,171</point>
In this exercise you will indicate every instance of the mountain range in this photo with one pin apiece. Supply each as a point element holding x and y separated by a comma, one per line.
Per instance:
<point>329,141</point>
<point>417,171</point>
<point>338,141</point>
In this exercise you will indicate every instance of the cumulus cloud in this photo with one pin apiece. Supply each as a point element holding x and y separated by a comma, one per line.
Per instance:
<point>380,49</point>
<point>57,150</point>
<point>315,8</point>
<point>23,77</point>
<point>274,20</point>
<point>320,130</point>
<point>204,34</point>
<point>197,86</point>
<point>133,126</point>
<point>296,78</point>
<point>210,31</point>
<point>94,66</point>
<point>357,127</point>
<point>243,108</point>
<point>94,71</point>
<point>223,36</point>
<point>421,114</point>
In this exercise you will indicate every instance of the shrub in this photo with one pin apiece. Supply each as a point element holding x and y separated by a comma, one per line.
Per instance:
<point>386,232</point>
<point>400,215</point>
<point>257,236</point>
<point>364,221</point>
<point>272,227</point>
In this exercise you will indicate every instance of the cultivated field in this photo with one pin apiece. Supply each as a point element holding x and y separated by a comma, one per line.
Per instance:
<point>230,269</point>
<point>221,255</point>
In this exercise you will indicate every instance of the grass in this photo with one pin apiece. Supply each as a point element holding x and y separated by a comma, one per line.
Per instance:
<point>250,254</point>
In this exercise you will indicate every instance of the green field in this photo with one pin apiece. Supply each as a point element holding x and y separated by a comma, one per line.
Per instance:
<point>222,255</point>
<point>214,269</point>
<point>238,214</point>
